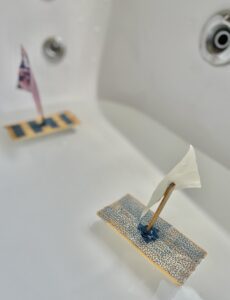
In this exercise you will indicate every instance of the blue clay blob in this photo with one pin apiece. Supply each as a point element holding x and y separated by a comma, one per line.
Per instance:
<point>148,236</point>
<point>66,119</point>
<point>38,127</point>
<point>35,126</point>
<point>18,130</point>
<point>50,122</point>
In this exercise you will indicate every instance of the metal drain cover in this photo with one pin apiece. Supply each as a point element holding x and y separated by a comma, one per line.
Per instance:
<point>54,48</point>
<point>215,39</point>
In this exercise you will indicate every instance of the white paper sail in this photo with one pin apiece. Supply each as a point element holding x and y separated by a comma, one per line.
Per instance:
<point>185,175</point>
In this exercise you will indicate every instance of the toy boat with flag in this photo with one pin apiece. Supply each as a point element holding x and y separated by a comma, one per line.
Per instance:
<point>157,240</point>
<point>42,125</point>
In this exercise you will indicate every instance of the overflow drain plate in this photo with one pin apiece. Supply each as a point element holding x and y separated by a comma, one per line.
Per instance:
<point>215,39</point>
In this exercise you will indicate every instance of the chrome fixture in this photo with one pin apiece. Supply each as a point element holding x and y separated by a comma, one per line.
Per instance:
<point>215,39</point>
<point>54,48</point>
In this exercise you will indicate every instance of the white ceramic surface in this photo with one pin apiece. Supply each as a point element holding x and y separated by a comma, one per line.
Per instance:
<point>151,60</point>
<point>81,24</point>
<point>52,245</point>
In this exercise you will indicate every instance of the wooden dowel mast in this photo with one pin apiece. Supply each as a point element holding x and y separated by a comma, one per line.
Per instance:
<point>166,196</point>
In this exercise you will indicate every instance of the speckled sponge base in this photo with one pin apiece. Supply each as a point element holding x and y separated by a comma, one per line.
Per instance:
<point>173,253</point>
<point>35,128</point>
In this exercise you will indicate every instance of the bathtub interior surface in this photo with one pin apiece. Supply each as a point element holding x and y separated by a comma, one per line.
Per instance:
<point>53,246</point>
<point>151,61</point>
<point>81,25</point>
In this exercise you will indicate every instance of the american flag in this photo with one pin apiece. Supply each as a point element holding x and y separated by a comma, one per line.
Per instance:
<point>26,81</point>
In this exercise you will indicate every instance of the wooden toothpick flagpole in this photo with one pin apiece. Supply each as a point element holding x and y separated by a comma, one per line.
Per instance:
<point>166,196</point>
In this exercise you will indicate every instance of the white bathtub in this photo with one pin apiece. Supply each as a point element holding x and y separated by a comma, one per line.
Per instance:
<point>52,245</point>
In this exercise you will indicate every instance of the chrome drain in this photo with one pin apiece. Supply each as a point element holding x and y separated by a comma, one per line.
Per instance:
<point>54,49</point>
<point>221,40</point>
<point>215,39</point>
